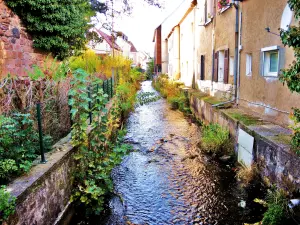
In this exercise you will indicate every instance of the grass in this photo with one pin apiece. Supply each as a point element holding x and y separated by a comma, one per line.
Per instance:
<point>282,138</point>
<point>245,119</point>
<point>247,174</point>
<point>215,140</point>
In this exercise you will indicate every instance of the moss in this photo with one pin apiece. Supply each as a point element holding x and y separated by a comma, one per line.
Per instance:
<point>282,138</point>
<point>211,100</point>
<point>245,119</point>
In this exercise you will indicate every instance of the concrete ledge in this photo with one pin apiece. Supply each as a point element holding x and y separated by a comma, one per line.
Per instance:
<point>271,150</point>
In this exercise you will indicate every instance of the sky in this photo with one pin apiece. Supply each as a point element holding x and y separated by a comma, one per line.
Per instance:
<point>140,26</point>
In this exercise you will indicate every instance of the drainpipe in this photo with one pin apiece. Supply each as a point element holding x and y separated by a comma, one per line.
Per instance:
<point>236,56</point>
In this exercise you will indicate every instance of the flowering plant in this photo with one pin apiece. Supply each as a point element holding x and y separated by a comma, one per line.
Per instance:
<point>222,3</point>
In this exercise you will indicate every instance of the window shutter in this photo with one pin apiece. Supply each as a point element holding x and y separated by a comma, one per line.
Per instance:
<point>281,60</point>
<point>216,61</point>
<point>261,64</point>
<point>202,69</point>
<point>226,66</point>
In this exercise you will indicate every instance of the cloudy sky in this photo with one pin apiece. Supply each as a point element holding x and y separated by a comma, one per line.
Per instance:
<point>140,26</point>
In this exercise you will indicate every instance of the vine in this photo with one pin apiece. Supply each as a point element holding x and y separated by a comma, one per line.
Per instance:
<point>291,76</point>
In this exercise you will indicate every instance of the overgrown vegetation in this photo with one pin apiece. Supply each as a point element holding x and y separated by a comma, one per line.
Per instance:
<point>291,76</point>
<point>7,204</point>
<point>150,70</point>
<point>215,140</point>
<point>56,26</point>
<point>278,211</point>
<point>246,175</point>
<point>19,145</point>
<point>102,149</point>
<point>172,92</point>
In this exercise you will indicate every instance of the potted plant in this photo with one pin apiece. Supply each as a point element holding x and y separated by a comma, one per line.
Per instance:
<point>223,3</point>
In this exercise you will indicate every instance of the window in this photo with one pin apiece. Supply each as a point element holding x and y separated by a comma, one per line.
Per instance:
<point>221,66</point>
<point>231,66</point>
<point>208,11</point>
<point>270,64</point>
<point>248,64</point>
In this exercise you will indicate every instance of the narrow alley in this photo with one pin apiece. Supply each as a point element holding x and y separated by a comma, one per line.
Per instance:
<point>166,180</point>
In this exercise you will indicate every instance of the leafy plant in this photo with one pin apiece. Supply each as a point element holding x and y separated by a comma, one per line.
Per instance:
<point>102,149</point>
<point>56,26</point>
<point>7,204</point>
<point>291,76</point>
<point>215,140</point>
<point>19,145</point>
<point>277,211</point>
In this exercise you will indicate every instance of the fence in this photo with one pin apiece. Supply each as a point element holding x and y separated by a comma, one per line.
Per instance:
<point>38,122</point>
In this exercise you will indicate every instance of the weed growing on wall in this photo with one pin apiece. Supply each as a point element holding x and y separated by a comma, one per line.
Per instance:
<point>215,140</point>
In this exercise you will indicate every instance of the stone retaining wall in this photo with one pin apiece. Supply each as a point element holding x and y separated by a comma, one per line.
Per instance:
<point>277,163</point>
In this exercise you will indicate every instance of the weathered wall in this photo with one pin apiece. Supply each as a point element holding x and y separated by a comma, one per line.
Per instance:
<point>275,160</point>
<point>268,91</point>
<point>16,47</point>
<point>46,190</point>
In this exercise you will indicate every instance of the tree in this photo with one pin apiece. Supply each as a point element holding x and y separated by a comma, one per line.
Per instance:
<point>57,26</point>
<point>291,76</point>
<point>150,69</point>
<point>61,26</point>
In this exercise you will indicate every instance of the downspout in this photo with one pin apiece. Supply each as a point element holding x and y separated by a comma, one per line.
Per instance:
<point>236,55</point>
<point>239,57</point>
<point>194,48</point>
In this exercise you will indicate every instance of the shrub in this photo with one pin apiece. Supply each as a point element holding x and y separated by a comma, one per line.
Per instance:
<point>277,211</point>
<point>215,140</point>
<point>7,204</point>
<point>19,145</point>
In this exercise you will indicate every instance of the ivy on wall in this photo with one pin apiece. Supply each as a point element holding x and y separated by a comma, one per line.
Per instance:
<point>291,76</point>
<point>57,26</point>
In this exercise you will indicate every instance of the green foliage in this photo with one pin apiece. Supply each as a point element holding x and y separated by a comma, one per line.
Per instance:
<point>215,140</point>
<point>102,149</point>
<point>291,76</point>
<point>7,204</point>
<point>171,90</point>
<point>19,145</point>
<point>150,70</point>
<point>146,98</point>
<point>277,211</point>
<point>58,26</point>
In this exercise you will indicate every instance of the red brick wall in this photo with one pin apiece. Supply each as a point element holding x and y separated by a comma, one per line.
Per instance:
<point>16,51</point>
<point>157,50</point>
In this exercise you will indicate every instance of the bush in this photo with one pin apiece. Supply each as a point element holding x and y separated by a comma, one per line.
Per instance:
<point>19,145</point>
<point>277,211</point>
<point>7,204</point>
<point>171,90</point>
<point>215,140</point>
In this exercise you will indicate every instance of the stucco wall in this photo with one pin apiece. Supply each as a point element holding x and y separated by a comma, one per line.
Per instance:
<point>16,47</point>
<point>257,15</point>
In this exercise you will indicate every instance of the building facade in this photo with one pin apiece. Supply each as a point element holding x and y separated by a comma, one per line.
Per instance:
<point>233,52</point>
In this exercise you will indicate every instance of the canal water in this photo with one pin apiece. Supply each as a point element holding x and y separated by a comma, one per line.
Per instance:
<point>166,180</point>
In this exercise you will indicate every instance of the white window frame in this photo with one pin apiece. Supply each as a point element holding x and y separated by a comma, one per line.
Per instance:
<point>266,61</point>
<point>249,64</point>
<point>221,66</point>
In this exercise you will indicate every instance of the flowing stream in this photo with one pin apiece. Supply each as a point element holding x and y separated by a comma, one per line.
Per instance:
<point>166,180</point>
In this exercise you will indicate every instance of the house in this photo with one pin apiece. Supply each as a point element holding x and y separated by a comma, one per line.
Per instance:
<point>227,52</point>
<point>124,44</point>
<point>107,47</point>
<point>133,54</point>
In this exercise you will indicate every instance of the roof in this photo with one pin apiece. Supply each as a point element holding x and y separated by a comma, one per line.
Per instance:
<point>133,48</point>
<point>109,40</point>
